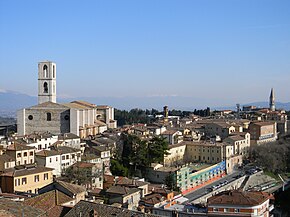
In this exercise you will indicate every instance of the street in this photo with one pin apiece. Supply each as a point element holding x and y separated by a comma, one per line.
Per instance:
<point>204,190</point>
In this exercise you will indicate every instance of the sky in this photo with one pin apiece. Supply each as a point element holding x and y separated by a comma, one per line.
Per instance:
<point>227,51</point>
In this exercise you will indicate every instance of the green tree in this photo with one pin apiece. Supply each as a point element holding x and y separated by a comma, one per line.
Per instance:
<point>118,169</point>
<point>157,148</point>
<point>80,176</point>
<point>170,182</point>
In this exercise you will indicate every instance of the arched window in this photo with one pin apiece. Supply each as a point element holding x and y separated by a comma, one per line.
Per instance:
<point>45,71</point>
<point>45,87</point>
<point>48,116</point>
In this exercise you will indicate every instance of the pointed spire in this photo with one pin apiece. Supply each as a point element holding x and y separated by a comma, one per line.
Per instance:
<point>272,100</point>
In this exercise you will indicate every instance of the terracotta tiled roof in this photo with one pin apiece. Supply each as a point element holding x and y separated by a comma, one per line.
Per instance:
<point>122,190</point>
<point>66,150</point>
<point>47,153</point>
<point>68,136</point>
<point>6,158</point>
<point>83,165</point>
<point>24,170</point>
<point>130,182</point>
<point>152,199</point>
<point>48,200</point>
<point>19,147</point>
<point>75,189</point>
<point>18,208</point>
<point>237,197</point>
<point>263,123</point>
<point>46,105</point>
<point>88,209</point>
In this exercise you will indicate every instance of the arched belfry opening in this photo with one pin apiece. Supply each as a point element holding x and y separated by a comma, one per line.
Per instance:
<point>45,71</point>
<point>45,87</point>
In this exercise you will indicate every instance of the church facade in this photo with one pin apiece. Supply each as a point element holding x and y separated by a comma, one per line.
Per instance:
<point>77,117</point>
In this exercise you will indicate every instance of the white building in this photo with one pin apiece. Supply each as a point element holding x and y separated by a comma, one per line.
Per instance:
<point>50,159</point>
<point>40,141</point>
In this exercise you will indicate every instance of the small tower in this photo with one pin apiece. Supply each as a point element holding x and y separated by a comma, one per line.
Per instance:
<point>272,100</point>
<point>46,82</point>
<point>165,113</point>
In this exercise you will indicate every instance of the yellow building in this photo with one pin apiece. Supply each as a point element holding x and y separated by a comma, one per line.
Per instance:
<point>176,154</point>
<point>26,178</point>
<point>213,153</point>
<point>23,154</point>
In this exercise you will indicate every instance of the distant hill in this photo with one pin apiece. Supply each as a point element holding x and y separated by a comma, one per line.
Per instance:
<point>11,101</point>
<point>279,105</point>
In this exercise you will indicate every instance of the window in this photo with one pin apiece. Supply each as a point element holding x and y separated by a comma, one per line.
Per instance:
<point>30,117</point>
<point>39,147</point>
<point>67,157</point>
<point>226,210</point>
<point>36,178</point>
<point>24,181</point>
<point>45,71</point>
<point>215,209</point>
<point>63,157</point>
<point>50,160</point>
<point>45,87</point>
<point>56,159</point>
<point>48,116</point>
<point>237,210</point>
<point>17,182</point>
<point>45,176</point>
<point>25,162</point>
<point>73,156</point>
<point>31,153</point>
<point>18,154</point>
<point>31,161</point>
<point>25,154</point>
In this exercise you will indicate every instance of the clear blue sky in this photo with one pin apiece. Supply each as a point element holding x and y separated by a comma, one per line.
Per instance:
<point>227,50</point>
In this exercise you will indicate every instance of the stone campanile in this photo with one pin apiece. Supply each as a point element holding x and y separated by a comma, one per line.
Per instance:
<point>46,82</point>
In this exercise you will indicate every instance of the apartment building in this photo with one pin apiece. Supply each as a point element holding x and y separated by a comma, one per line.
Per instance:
<point>25,178</point>
<point>240,203</point>
<point>221,129</point>
<point>68,156</point>
<point>23,154</point>
<point>50,159</point>
<point>241,143</point>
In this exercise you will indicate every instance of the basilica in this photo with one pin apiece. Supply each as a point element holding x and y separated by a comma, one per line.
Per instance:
<point>78,117</point>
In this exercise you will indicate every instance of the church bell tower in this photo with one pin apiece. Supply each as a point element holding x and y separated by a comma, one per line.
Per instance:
<point>46,82</point>
<point>272,100</point>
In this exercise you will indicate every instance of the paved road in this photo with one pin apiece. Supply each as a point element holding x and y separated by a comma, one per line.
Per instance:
<point>204,190</point>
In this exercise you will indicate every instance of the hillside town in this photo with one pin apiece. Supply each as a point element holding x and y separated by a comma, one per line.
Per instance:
<point>74,159</point>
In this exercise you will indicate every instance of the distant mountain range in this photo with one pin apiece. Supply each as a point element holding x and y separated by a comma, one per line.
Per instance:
<point>11,101</point>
